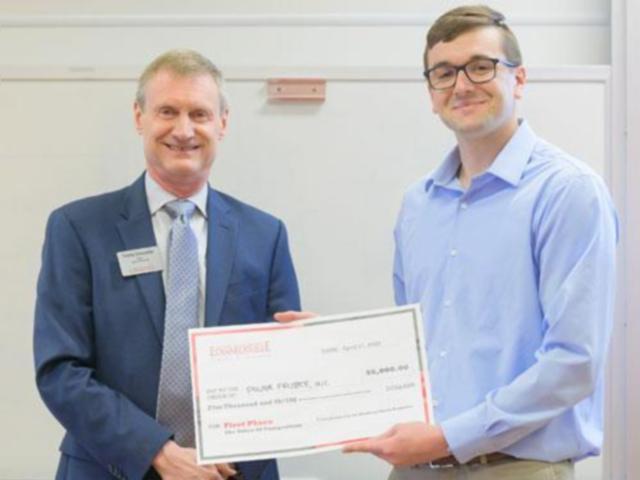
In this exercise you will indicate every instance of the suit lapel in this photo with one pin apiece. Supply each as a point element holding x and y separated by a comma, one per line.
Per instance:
<point>136,231</point>
<point>221,248</point>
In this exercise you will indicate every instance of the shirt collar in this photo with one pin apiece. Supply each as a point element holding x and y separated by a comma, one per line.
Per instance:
<point>447,171</point>
<point>509,165</point>
<point>157,197</point>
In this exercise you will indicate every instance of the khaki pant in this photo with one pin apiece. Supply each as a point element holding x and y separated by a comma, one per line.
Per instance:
<point>503,470</point>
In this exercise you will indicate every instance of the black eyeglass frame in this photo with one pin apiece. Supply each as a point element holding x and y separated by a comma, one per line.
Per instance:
<point>458,68</point>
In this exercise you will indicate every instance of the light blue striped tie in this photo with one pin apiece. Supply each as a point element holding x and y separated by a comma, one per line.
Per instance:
<point>175,408</point>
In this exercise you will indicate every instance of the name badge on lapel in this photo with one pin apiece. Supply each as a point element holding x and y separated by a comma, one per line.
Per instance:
<point>140,260</point>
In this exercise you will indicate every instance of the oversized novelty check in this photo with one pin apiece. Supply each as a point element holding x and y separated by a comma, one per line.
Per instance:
<point>279,390</point>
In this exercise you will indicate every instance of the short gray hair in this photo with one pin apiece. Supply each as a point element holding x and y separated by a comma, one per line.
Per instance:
<point>184,63</point>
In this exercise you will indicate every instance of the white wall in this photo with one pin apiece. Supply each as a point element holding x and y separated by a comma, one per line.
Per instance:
<point>61,139</point>
<point>294,33</point>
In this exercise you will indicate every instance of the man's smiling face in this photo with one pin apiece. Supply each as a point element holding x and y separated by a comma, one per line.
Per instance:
<point>476,110</point>
<point>181,124</point>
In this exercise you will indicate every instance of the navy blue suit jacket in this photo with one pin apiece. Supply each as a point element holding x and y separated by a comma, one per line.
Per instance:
<point>98,335</point>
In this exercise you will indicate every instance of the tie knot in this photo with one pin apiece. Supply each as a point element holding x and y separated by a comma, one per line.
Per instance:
<point>181,209</point>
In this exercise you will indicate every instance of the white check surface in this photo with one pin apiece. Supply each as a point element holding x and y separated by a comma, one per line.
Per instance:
<point>280,390</point>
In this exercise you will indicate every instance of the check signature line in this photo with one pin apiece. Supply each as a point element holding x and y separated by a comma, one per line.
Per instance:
<point>363,414</point>
<point>336,395</point>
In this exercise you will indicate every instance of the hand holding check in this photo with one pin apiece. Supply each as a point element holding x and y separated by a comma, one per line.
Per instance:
<point>405,444</point>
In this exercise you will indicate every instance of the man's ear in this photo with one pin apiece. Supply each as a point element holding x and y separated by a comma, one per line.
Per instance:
<point>521,80</point>
<point>224,120</point>
<point>137,117</point>
<point>430,93</point>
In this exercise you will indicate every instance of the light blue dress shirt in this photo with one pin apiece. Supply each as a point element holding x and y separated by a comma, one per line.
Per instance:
<point>515,277</point>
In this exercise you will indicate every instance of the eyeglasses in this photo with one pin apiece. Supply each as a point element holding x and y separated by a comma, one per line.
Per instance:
<point>478,70</point>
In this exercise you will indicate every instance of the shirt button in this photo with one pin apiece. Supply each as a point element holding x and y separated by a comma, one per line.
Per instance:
<point>453,252</point>
<point>464,205</point>
<point>435,403</point>
<point>443,353</point>
<point>447,303</point>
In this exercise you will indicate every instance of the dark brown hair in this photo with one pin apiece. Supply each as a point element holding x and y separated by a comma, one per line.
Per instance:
<point>454,23</point>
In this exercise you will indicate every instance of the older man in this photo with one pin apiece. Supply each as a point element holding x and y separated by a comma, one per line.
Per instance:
<point>125,274</point>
